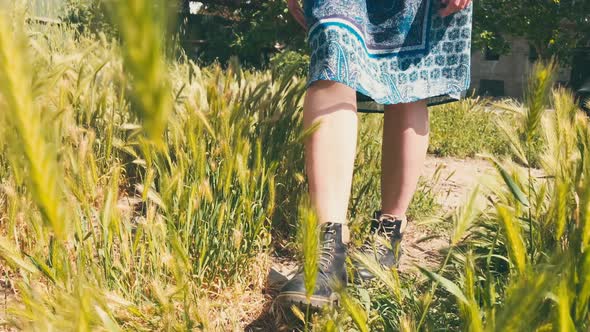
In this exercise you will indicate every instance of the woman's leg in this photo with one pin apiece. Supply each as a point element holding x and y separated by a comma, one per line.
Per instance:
<point>330,151</point>
<point>329,159</point>
<point>405,141</point>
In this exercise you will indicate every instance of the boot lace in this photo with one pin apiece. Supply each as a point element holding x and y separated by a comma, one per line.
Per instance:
<point>327,249</point>
<point>379,242</point>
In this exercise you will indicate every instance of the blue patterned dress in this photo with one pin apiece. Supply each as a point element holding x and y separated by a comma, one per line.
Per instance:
<point>393,51</point>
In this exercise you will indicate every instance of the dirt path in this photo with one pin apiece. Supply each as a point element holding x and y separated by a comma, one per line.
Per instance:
<point>458,177</point>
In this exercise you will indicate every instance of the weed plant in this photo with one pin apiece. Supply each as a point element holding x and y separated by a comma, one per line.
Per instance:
<point>465,129</point>
<point>518,251</point>
<point>136,189</point>
<point>133,187</point>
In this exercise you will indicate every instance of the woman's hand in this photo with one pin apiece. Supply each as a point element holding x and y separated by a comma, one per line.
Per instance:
<point>453,6</point>
<point>297,12</point>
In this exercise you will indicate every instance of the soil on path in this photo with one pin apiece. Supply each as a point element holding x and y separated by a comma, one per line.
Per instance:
<point>458,177</point>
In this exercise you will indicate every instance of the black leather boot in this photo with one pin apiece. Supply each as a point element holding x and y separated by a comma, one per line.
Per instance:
<point>383,244</point>
<point>332,268</point>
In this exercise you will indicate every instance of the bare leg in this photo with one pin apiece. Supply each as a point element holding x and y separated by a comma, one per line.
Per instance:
<point>405,141</point>
<point>329,159</point>
<point>330,151</point>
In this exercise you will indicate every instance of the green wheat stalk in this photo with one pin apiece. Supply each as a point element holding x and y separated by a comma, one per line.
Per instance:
<point>470,310</point>
<point>515,244</point>
<point>142,26</point>
<point>25,118</point>
<point>464,218</point>
<point>310,240</point>
<point>537,96</point>
<point>354,310</point>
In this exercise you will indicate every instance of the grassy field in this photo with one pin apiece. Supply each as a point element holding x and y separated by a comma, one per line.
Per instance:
<point>143,192</point>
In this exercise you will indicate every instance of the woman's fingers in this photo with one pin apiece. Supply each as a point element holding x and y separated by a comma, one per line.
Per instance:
<point>465,4</point>
<point>297,12</point>
<point>453,6</point>
<point>300,18</point>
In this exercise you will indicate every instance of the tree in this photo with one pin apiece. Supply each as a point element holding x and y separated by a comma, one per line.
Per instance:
<point>251,30</point>
<point>552,27</point>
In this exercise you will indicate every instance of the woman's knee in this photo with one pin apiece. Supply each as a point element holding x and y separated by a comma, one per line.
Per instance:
<point>324,97</point>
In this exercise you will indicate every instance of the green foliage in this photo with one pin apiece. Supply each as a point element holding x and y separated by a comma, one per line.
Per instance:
<point>151,233</point>
<point>251,30</point>
<point>540,240</point>
<point>290,62</point>
<point>156,229</point>
<point>100,230</point>
<point>465,129</point>
<point>552,27</point>
<point>88,16</point>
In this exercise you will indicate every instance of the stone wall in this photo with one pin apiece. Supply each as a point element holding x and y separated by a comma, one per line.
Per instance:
<point>508,71</point>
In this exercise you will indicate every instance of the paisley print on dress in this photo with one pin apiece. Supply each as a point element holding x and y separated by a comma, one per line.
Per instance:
<point>393,51</point>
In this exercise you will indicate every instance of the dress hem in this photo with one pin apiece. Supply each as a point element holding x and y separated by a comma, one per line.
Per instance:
<point>364,97</point>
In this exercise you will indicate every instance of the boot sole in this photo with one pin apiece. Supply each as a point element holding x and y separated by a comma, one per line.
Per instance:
<point>298,299</point>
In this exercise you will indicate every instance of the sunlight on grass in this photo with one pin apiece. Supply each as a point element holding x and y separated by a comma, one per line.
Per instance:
<point>140,192</point>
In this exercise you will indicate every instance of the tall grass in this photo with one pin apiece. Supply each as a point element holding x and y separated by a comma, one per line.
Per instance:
<point>465,129</point>
<point>25,125</point>
<point>142,25</point>
<point>101,229</point>
<point>150,233</point>
<point>519,263</point>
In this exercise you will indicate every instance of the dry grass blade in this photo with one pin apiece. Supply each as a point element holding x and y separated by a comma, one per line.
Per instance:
<point>407,324</point>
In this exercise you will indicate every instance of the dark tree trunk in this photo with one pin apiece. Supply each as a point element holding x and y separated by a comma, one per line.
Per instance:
<point>185,6</point>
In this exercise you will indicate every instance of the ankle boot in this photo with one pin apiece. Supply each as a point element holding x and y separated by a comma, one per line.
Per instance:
<point>383,244</point>
<point>332,268</point>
